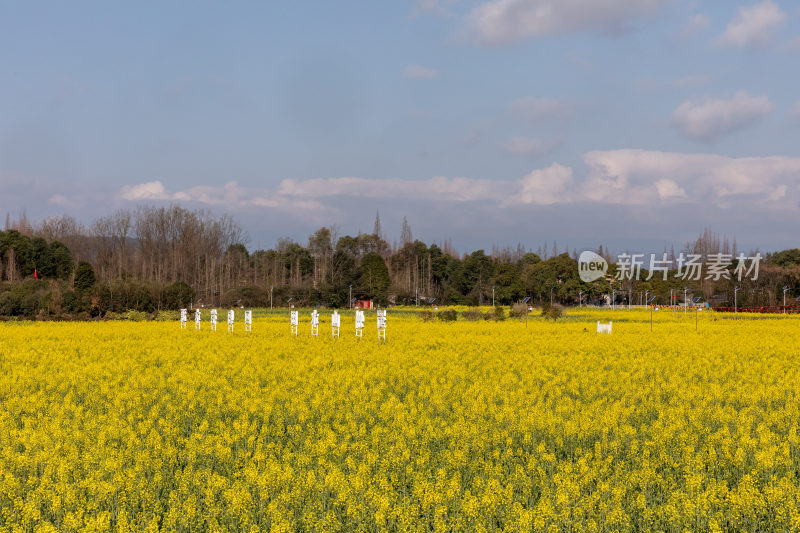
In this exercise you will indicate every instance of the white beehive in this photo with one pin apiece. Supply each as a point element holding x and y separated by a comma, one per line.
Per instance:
<point>359,323</point>
<point>295,319</point>
<point>382,325</point>
<point>604,328</point>
<point>336,321</point>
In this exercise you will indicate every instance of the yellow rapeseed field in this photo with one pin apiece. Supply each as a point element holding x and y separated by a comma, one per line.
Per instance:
<point>464,426</point>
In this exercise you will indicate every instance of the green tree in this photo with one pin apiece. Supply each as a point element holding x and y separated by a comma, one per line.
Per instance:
<point>62,260</point>
<point>15,250</point>
<point>42,258</point>
<point>373,278</point>
<point>343,274</point>
<point>84,277</point>
<point>786,258</point>
<point>478,272</point>
<point>507,283</point>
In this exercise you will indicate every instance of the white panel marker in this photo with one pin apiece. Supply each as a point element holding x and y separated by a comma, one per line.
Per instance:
<point>314,323</point>
<point>382,325</point>
<point>359,323</point>
<point>604,328</point>
<point>336,322</point>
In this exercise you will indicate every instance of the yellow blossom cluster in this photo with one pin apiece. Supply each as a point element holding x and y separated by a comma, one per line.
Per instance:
<point>482,426</point>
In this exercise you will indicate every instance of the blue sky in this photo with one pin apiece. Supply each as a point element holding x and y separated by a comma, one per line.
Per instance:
<point>632,123</point>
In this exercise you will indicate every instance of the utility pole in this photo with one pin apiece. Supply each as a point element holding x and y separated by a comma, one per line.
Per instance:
<point>270,295</point>
<point>685,301</point>
<point>351,297</point>
<point>786,289</point>
<point>493,296</point>
<point>580,298</point>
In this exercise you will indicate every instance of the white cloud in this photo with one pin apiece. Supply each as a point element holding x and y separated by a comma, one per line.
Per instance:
<point>505,21</point>
<point>447,189</point>
<point>531,147</point>
<point>711,118</point>
<point>668,189</point>
<point>152,190</point>
<point>231,194</point>
<point>547,186</point>
<point>696,23</point>
<point>533,108</point>
<point>418,72</point>
<point>615,177</point>
<point>60,200</point>
<point>646,176</point>
<point>753,25</point>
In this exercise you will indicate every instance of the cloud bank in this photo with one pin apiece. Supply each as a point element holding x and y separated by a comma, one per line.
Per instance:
<point>753,26</point>
<point>505,21</point>
<point>710,119</point>
<point>614,177</point>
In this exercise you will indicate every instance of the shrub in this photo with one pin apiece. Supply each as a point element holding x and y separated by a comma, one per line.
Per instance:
<point>519,311</point>
<point>447,315</point>
<point>9,304</point>
<point>498,314</point>
<point>426,315</point>
<point>552,311</point>
<point>130,314</point>
<point>84,277</point>
<point>472,315</point>
<point>178,295</point>
<point>168,315</point>
<point>70,302</point>
<point>29,306</point>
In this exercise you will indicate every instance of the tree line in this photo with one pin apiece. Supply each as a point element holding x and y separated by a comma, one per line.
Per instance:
<point>156,258</point>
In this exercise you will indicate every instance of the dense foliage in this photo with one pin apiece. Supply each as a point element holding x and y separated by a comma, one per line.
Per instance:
<point>152,259</point>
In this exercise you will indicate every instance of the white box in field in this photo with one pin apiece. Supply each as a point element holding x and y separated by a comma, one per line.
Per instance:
<point>604,328</point>
<point>336,322</point>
